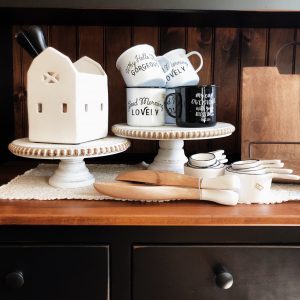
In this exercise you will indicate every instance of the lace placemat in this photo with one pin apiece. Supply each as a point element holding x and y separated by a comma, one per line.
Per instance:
<point>33,185</point>
<point>282,192</point>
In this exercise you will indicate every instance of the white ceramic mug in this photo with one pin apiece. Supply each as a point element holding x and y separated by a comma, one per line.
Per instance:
<point>178,68</point>
<point>145,106</point>
<point>139,67</point>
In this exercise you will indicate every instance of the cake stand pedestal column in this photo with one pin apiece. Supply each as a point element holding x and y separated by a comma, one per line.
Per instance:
<point>72,171</point>
<point>170,156</point>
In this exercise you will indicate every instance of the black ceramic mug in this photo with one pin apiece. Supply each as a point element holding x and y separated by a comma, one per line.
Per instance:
<point>195,106</point>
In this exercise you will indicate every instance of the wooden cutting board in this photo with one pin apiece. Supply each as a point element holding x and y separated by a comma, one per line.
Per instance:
<point>270,116</point>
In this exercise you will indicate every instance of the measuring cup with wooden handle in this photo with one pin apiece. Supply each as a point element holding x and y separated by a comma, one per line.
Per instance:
<point>149,193</point>
<point>227,182</point>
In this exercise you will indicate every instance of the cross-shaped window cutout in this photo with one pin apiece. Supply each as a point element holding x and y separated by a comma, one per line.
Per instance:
<point>51,77</point>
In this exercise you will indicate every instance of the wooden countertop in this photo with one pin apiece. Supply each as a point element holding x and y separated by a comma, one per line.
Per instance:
<point>176,213</point>
<point>81,212</point>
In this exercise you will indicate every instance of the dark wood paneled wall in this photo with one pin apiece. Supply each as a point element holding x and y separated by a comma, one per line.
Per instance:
<point>225,51</point>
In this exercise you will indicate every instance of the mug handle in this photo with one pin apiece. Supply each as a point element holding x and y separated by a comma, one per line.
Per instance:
<point>200,57</point>
<point>166,107</point>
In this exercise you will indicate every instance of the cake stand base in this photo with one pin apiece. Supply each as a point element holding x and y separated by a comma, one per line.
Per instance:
<point>170,157</point>
<point>71,173</point>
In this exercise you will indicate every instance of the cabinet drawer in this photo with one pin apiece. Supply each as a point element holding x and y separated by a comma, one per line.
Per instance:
<point>54,272</point>
<point>189,272</point>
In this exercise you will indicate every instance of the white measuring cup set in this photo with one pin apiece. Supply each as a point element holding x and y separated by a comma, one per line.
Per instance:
<point>256,178</point>
<point>206,165</point>
<point>255,185</point>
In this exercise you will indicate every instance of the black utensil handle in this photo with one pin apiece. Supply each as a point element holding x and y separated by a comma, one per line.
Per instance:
<point>25,43</point>
<point>37,38</point>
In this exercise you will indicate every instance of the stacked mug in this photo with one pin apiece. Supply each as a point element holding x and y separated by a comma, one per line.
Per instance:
<point>161,89</point>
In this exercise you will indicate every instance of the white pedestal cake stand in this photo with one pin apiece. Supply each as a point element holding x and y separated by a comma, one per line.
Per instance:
<point>72,171</point>
<point>170,156</point>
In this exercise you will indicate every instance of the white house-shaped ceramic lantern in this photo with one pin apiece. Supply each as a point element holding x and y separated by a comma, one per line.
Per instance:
<point>67,102</point>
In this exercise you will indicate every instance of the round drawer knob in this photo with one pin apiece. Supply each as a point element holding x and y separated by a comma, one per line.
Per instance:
<point>224,279</point>
<point>14,280</point>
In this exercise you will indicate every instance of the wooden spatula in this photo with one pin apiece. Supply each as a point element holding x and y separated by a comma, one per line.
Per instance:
<point>226,182</point>
<point>164,193</point>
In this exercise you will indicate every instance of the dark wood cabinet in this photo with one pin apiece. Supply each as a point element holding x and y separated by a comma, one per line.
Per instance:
<point>189,272</point>
<point>147,262</point>
<point>115,250</point>
<point>96,250</point>
<point>54,272</point>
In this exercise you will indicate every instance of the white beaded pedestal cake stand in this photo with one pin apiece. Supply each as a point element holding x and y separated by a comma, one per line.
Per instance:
<point>170,156</point>
<point>72,171</point>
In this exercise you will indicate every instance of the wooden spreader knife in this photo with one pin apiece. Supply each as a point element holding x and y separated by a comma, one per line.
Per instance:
<point>149,193</point>
<point>225,182</point>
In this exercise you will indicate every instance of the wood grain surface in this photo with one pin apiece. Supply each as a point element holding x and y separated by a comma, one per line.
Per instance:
<point>270,115</point>
<point>80,212</point>
<point>117,40</point>
<point>226,51</point>
<point>112,212</point>
<point>92,35</point>
<point>285,59</point>
<point>226,77</point>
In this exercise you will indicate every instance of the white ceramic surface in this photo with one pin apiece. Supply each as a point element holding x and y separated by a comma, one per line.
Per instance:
<point>139,67</point>
<point>224,182</point>
<point>221,157</point>
<point>67,103</point>
<point>145,106</point>
<point>263,170</point>
<point>171,156</point>
<point>204,172</point>
<point>254,163</point>
<point>255,188</point>
<point>72,171</point>
<point>202,159</point>
<point>180,71</point>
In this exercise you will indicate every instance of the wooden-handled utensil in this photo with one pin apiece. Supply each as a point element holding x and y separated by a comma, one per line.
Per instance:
<point>164,193</point>
<point>227,182</point>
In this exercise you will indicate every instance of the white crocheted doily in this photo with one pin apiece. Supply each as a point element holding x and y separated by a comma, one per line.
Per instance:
<point>33,184</point>
<point>283,192</point>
